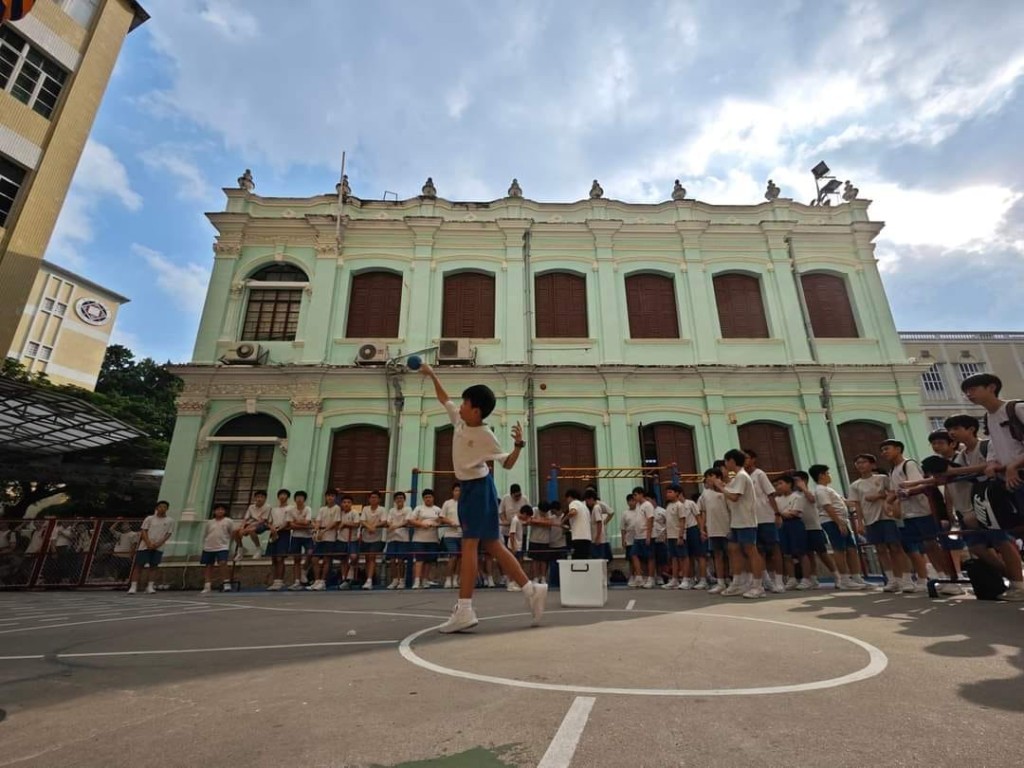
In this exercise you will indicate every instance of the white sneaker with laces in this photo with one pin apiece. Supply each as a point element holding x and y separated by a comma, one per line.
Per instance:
<point>276,586</point>
<point>400,584</point>
<point>791,583</point>
<point>702,584</point>
<point>490,581</point>
<point>206,589</point>
<point>296,586</point>
<point>686,583</point>
<point>1012,595</point>
<point>513,587</point>
<point>633,582</point>
<point>774,587</point>
<point>804,584</point>
<point>908,584</point>
<point>815,584</point>
<point>417,584</point>
<point>448,583</point>
<point>893,586</point>
<point>393,584</point>
<point>462,618</point>
<point>536,596</point>
<point>673,584</point>
<point>845,582</point>
<point>151,588</point>
<point>754,592</point>
<point>133,589</point>
<point>950,589</point>
<point>733,589</point>
<point>368,584</point>
<point>716,589</point>
<point>649,584</point>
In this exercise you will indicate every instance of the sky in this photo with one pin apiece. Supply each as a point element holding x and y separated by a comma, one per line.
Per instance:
<point>920,104</point>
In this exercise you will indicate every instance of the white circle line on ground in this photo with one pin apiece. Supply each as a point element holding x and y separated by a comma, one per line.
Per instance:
<point>877,662</point>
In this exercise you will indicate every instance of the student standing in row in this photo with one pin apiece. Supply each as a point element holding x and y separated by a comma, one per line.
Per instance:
<point>716,513</point>
<point>217,535</point>
<point>300,525</point>
<point>451,536</point>
<point>398,537</point>
<point>746,560</point>
<point>156,531</point>
<point>280,541</point>
<point>425,520</point>
<point>868,493</point>
<point>325,539</point>
<point>254,522</point>
<point>766,510</point>
<point>373,520</point>
<point>835,522</point>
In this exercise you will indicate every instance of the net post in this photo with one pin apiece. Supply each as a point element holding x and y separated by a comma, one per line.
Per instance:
<point>553,483</point>
<point>415,487</point>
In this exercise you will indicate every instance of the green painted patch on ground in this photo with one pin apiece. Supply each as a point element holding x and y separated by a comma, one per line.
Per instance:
<point>478,757</point>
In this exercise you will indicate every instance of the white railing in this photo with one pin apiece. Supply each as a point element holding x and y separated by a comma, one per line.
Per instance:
<point>961,335</point>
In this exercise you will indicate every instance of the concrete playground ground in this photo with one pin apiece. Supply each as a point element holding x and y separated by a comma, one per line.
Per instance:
<point>655,678</point>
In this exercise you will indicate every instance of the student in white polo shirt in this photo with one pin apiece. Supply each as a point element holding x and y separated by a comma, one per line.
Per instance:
<point>397,546</point>
<point>451,536</point>
<point>374,520</point>
<point>539,543</point>
<point>280,541</point>
<point>325,539</point>
<point>425,521</point>
<point>156,531</point>
<point>254,522</point>
<point>740,498</point>
<point>217,535</point>
<point>300,524</point>
<point>767,511</point>
<point>579,525</point>
<point>643,538</point>
<point>716,514</point>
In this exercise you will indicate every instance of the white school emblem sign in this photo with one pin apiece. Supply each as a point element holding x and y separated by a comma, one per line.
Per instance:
<point>92,311</point>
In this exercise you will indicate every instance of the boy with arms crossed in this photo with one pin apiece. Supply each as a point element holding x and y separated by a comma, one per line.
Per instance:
<point>373,518</point>
<point>325,539</point>
<point>747,563</point>
<point>867,493</point>
<point>716,513</point>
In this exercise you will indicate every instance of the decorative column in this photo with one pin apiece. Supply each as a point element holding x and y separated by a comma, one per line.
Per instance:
<point>424,316</point>
<point>869,294</point>
<point>299,447</point>
<point>699,294</point>
<point>319,324</point>
<point>782,294</point>
<point>611,295</point>
<point>180,473</point>
<point>214,325</point>
<point>514,341</point>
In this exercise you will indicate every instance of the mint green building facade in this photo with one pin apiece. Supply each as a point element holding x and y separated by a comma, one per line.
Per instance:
<point>698,388</point>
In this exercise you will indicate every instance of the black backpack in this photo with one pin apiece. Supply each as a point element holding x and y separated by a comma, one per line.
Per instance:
<point>1013,421</point>
<point>986,581</point>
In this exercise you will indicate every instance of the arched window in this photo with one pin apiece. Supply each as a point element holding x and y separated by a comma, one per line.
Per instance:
<point>740,306</point>
<point>244,465</point>
<point>374,305</point>
<point>668,443</point>
<point>828,306</point>
<point>860,437</point>
<point>272,313</point>
<point>468,311</point>
<point>771,442</point>
<point>561,302</point>
<point>442,483</point>
<point>359,460</point>
<point>565,445</point>
<point>651,306</point>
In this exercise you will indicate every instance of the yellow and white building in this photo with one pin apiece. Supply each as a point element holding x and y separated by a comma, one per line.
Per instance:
<point>66,326</point>
<point>55,64</point>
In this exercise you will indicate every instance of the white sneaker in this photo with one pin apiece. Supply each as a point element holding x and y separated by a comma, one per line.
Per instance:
<point>893,586</point>
<point>686,584</point>
<point>417,584</point>
<point>318,586</point>
<point>513,587</point>
<point>859,579</point>
<point>845,582</point>
<point>535,599</point>
<point>133,589</point>
<point>368,584</point>
<point>633,582</point>
<point>717,588</point>
<point>226,587</point>
<point>393,584</point>
<point>151,588</point>
<point>649,584</point>
<point>774,586</point>
<point>815,584</point>
<point>673,584</point>
<point>276,586</point>
<point>804,584</point>
<point>428,584</point>
<point>754,593</point>
<point>296,586</point>
<point>733,589</point>
<point>702,584</point>
<point>448,583</point>
<point>950,589</point>
<point>460,620</point>
<point>401,584</point>
<point>489,582</point>
<point>257,555</point>
<point>238,554</point>
<point>791,583</point>
<point>908,585</point>
<point>206,589</point>
<point>1012,595</point>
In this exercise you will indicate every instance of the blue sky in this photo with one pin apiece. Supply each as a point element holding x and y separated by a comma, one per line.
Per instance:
<point>919,103</point>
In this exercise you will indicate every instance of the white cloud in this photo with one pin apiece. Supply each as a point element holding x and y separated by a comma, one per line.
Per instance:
<point>230,21</point>
<point>185,283</point>
<point>171,159</point>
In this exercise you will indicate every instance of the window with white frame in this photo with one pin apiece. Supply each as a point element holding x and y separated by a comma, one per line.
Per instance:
<point>933,383</point>
<point>32,349</point>
<point>59,309</point>
<point>47,305</point>
<point>45,352</point>
<point>937,422</point>
<point>28,75</point>
<point>11,178</point>
<point>81,11</point>
<point>969,369</point>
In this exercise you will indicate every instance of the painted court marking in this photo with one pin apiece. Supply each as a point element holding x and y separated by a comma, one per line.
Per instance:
<point>630,604</point>
<point>877,662</point>
<point>121,618</point>
<point>567,738</point>
<point>200,650</point>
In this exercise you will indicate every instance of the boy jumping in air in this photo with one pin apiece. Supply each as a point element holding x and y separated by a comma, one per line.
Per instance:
<point>473,445</point>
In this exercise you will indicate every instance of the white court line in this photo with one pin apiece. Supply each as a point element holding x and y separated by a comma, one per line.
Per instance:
<point>203,650</point>
<point>567,738</point>
<point>329,610</point>
<point>630,604</point>
<point>122,618</point>
<point>54,618</point>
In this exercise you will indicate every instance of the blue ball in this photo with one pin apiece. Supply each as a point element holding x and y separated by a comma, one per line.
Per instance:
<point>414,362</point>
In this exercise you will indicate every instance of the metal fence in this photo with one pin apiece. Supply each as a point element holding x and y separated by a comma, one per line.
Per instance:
<point>67,552</point>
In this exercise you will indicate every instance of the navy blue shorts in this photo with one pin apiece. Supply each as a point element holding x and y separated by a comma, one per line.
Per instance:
<point>767,536</point>
<point>816,541</point>
<point>918,531</point>
<point>325,548</point>
<point>280,547</point>
<point>695,545</point>
<point>300,545</point>
<point>951,544</point>
<point>840,543</point>
<point>396,549</point>
<point>213,558</point>
<point>793,537</point>
<point>675,549</point>
<point>478,509</point>
<point>150,557</point>
<point>371,547</point>
<point>743,536</point>
<point>603,552</point>
<point>660,552</point>
<point>426,551</point>
<point>260,527</point>
<point>883,532</point>
<point>718,543</point>
<point>988,538</point>
<point>352,547</point>
<point>453,545</point>
<point>641,549</point>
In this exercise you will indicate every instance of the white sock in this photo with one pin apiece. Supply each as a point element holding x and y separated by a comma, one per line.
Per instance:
<point>465,603</point>
<point>836,575</point>
<point>888,576</point>
<point>528,587</point>
<point>135,584</point>
<point>207,584</point>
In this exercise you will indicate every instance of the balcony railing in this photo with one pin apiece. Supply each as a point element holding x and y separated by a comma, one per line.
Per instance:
<point>962,335</point>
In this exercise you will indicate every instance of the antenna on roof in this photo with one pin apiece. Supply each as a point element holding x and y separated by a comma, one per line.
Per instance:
<point>342,184</point>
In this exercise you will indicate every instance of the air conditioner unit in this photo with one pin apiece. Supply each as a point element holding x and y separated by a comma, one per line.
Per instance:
<point>372,353</point>
<point>455,351</point>
<point>246,353</point>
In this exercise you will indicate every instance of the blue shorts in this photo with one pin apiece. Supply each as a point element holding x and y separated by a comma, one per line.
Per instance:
<point>883,532</point>
<point>300,545</point>
<point>917,532</point>
<point>793,537</point>
<point>148,557</point>
<point>675,548</point>
<point>280,547</point>
<point>603,552</point>
<point>767,536</point>
<point>426,551</point>
<point>371,547</point>
<point>396,549</point>
<point>660,552</point>
<point>453,545</point>
<point>743,536</point>
<point>642,550</point>
<point>352,547</point>
<point>718,543</point>
<point>478,509</point>
<point>261,528</point>
<point>213,558</point>
<point>951,544</point>
<point>816,542</point>
<point>695,545</point>
<point>325,548</point>
<point>839,542</point>
<point>987,538</point>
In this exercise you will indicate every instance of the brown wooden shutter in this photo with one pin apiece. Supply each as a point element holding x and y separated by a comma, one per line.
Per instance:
<point>441,483</point>
<point>561,302</point>
<point>740,306</point>
<point>651,305</point>
<point>468,310</point>
<point>860,437</point>
<point>242,470</point>
<point>771,442</point>
<point>374,306</point>
<point>670,443</point>
<point>359,460</point>
<point>567,445</point>
<point>828,305</point>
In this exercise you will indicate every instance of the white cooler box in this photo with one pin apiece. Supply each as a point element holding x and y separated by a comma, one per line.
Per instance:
<point>583,583</point>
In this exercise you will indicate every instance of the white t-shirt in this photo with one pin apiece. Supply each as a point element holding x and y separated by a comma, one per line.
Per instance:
<point>556,532</point>
<point>508,509</point>
<point>279,516</point>
<point>257,514</point>
<point>628,528</point>
<point>35,544</point>
<point>871,511</point>
<point>396,516</point>
<point>516,528</point>
<point>325,517</point>
<point>716,512</point>
<point>646,509</point>
<point>427,515</point>
<point>217,534</point>
<point>126,542</point>
<point>64,536</point>
<point>809,512</point>
<point>962,491</point>
<point>912,506</point>
<point>540,534</point>
<point>156,528</point>
<point>349,534</point>
<point>472,447</point>
<point>376,516</point>
<point>690,518</point>
<point>826,495</point>
<point>763,489</point>
<point>580,522</point>
<point>743,511</point>
<point>296,515</point>
<point>450,510</point>
<point>601,513</point>
<point>660,526</point>
<point>1002,447</point>
<point>675,519</point>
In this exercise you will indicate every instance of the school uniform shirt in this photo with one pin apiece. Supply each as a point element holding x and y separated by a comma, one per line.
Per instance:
<point>871,511</point>
<point>580,522</point>
<point>1002,447</point>
<point>743,511</point>
<point>626,526</point>
<point>64,536</point>
<point>376,516</point>
<point>517,529</point>
<point>675,519</point>
<point>35,544</point>
<point>126,541</point>
<point>912,506</point>
<point>600,514</point>
<point>508,509</point>
<point>325,517</point>
<point>217,534</point>
<point>156,528</point>
<point>962,492</point>
<point>658,532</point>
<point>296,515</point>
<point>809,513</point>
<point>256,514</point>
<point>557,532</point>
<point>279,516</point>
<point>826,495</point>
<point>540,534</point>
<point>472,447</point>
<point>450,510</point>
<point>690,518</point>
<point>398,516</point>
<point>788,504</point>
<point>763,489</point>
<point>349,534</point>
<point>716,512</point>
<point>428,515</point>
<point>646,510</point>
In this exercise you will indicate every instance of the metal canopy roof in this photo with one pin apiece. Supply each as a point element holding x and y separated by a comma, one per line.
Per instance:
<point>37,421</point>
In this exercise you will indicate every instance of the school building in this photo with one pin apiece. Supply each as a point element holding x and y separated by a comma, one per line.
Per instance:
<point>622,334</point>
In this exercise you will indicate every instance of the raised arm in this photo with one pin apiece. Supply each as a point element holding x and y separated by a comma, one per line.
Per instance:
<point>439,390</point>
